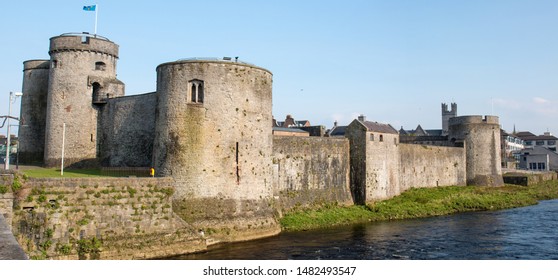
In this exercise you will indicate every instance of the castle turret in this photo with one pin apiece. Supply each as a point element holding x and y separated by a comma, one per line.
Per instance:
<point>446,115</point>
<point>481,138</point>
<point>213,136</point>
<point>33,111</point>
<point>82,76</point>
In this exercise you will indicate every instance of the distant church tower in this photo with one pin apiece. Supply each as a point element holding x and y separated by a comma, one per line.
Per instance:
<point>446,115</point>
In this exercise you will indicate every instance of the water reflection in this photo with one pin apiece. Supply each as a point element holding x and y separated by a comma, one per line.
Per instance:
<point>521,233</point>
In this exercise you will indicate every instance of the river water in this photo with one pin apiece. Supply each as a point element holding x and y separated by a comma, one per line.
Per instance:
<point>521,233</point>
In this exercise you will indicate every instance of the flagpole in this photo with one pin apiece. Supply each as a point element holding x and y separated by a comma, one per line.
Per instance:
<point>96,11</point>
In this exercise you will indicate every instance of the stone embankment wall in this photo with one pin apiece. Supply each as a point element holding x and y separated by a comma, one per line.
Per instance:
<point>106,218</point>
<point>528,179</point>
<point>431,166</point>
<point>310,171</point>
<point>6,197</point>
<point>128,125</point>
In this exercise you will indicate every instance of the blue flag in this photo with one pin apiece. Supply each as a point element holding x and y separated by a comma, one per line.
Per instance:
<point>89,8</point>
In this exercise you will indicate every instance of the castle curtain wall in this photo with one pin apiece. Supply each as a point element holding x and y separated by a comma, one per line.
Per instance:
<point>310,171</point>
<point>431,166</point>
<point>127,131</point>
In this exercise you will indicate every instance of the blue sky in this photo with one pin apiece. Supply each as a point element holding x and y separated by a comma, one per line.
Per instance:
<point>394,61</point>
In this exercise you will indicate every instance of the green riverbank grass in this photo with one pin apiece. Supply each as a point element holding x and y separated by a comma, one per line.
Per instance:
<point>55,173</point>
<point>423,202</point>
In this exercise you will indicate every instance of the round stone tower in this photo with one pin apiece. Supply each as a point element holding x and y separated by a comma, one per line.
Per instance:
<point>33,111</point>
<point>213,137</point>
<point>82,77</point>
<point>481,139</point>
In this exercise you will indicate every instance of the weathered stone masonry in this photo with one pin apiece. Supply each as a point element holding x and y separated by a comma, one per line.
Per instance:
<point>480,137</point>
<point>130,217</point>
<point>213,137</point>
<point>127,131</point>
<point>431,166</point>
<point>310,171</point>
<point>82,74</point>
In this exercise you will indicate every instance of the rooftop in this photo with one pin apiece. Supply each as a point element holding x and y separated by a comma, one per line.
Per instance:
<point>379,127</point>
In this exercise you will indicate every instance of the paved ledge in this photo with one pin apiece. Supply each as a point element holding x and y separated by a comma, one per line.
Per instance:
<point>9,248</point>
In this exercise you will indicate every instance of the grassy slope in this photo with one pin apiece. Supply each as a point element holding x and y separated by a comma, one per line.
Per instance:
<point>423,202</point>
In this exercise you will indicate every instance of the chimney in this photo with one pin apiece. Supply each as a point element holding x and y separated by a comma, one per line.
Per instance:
<point>289,121</point>
<point>362,118</point>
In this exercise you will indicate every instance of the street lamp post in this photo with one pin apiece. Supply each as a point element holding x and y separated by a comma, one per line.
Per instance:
<point>13,96</point>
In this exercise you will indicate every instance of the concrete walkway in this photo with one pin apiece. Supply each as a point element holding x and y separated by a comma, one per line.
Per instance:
<point>9,248</point>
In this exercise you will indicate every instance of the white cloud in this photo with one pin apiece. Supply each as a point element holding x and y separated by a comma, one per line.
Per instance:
<point>540,100</point>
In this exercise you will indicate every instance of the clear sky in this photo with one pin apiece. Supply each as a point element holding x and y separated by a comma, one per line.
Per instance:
<point>394,61</point>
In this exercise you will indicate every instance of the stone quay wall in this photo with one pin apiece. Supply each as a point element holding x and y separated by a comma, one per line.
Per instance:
<point>6,197</point>
<point>528,179</point>
<point>101,218</point>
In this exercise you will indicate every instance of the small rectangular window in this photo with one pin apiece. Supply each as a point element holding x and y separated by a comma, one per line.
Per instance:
<point>100,66</point>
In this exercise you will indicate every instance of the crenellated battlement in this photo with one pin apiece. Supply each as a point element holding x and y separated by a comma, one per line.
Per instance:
<point>83,42</point>
<point>474,120</point>
<point>453,108</point>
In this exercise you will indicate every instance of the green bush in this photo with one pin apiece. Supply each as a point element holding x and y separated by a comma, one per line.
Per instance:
<point>16,184</point>
<point>64,249</point>
<point>89,249</point>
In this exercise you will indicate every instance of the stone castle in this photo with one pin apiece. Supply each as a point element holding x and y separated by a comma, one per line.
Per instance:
<point>208,128</point>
